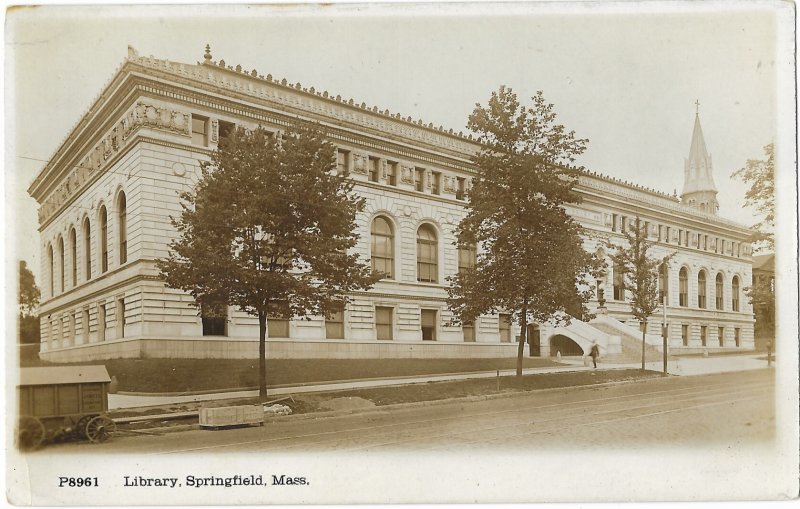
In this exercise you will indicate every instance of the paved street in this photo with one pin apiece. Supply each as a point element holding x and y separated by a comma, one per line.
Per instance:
<point>720,409</point>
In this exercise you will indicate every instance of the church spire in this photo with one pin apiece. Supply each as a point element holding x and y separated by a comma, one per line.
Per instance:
<point>699,190</point>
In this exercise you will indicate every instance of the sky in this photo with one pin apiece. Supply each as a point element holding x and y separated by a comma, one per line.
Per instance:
<point>626,78</point>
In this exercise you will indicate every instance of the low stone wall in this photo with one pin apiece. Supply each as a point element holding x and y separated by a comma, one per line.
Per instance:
<point>238,348</point>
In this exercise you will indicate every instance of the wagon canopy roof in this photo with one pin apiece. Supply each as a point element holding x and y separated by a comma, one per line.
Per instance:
<point>63,375</point>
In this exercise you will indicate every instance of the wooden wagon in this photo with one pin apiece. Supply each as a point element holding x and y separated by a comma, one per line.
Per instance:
<point>64,401</point>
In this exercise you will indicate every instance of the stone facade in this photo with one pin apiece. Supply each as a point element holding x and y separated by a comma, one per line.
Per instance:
<point>108,193</point>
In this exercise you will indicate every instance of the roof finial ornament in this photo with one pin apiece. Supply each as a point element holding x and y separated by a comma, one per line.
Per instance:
<point>207,56</point>
<point>697,107</point>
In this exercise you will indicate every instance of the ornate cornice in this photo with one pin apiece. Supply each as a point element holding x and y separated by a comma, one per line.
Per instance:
<point>104,153</point>
<point>236,92</point>
<point>296,96</point>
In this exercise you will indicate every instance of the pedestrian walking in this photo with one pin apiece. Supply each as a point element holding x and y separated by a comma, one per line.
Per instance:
<point>595,353</point>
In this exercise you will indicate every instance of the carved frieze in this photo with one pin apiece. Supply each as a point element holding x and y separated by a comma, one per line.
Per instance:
<point>450,185</point>
<point>359,163</point>
<point>407,176</point>
<point>383,170</point>
<point>140,115</point>
<point>214,131</point>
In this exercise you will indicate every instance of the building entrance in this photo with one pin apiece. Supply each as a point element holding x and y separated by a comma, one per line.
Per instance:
<point>563,344</point>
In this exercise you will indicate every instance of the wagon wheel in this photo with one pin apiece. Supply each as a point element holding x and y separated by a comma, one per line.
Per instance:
<point>80,427</point>
<point>30,433</point>
<point>100,428</point>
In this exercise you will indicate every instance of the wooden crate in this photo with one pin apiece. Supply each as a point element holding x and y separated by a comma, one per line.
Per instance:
<point>231,416</point>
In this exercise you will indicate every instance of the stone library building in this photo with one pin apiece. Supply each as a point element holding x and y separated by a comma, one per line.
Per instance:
<point>106,196</point>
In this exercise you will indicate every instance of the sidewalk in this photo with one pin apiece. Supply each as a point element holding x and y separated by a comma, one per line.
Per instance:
<point>689,366</point>
<point>679,366</point>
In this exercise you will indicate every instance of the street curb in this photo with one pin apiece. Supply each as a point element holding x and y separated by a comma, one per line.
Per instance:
<point>463,399</point>
<point>343,381</point>
<point>410,405</point>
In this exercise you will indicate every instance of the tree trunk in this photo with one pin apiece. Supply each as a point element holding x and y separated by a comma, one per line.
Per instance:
<point>523,323</point>
<point>644,329</point>
<point>262,356</point>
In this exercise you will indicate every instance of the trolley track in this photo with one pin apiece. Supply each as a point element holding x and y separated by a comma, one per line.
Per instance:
<point>471,423</point>
<point>404,432</point>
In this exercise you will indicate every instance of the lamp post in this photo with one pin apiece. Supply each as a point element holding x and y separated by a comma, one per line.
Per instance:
<point>664,327</point>
<point>664,332</point>
<point>601,301</point>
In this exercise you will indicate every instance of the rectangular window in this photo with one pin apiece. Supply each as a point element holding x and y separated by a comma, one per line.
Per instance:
<point>419,179</point>
<point>119,317</point>
<point>461,191</point>
<point>623,224</point>
<point>101,322</point>
<point>469,331</point>
<point>505,328</point>
<point>85,324</point>
<point>383,323</point>
<point>225,129</point>
<point>428,322</point>
<point>686,238</point>
<point>614,222</point>
<point>467,257</point>
<point>214,318</point>
<point>342,162</point>
<point>199,131</point>
<point>71,325</point>
<point>436,181</point>
<point>685,335</point>
<point>666,235</point>
<point>721,336</point>
<point>660,233</point>
<point>334,326</point>
<point>737,336</point>
<point>619,282</point>
<point>391,173</point>
<point>703,334</point>
<point>277,327</point>
<point>705,242</point>
<point>55,330</point>
<point>374,169</point>
<point>427,262</point>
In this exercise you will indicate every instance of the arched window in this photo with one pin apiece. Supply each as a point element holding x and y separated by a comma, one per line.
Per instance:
<point>619,281</point>
<point>87,249</point>
<point>683,287</point>
<point>467,257</point>
<point>51,269</point>
<point>73,255</point>
<point>103,239</point>
<point>663,283</point>
<point>701,289</point>
<point>719,290</point>
<point>382,246</point>
<point>427,256</point>
<point>61,262</point>
<point>122,218</point>
<point>735,293</point>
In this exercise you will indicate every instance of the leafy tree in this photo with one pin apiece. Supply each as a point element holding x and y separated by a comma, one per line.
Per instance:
<point>641,273</point>
<point>762,296</point>
<point>532,262</point>
<point>267,229</point>
<point>28,295</point>
<point>760,175</point>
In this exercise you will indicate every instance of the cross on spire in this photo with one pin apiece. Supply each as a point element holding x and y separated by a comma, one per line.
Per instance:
<point>697,107</point>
